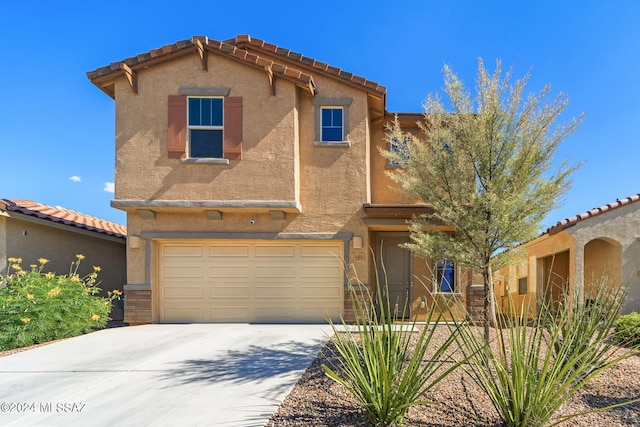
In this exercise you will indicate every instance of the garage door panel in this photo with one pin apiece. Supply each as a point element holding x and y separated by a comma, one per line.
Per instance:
<point>275,292</point>
<point>182,271</point>
<point>320,252</point>
<point>275,251</point>
<point>229,314</point>
<point>182,251</point>
<point>228,251</point>
<point>275,271</point>
<point>230,271</point>
<point>182,292</point>
<point>248,281</point>
<point>184,314</point>
<point>229,292</point>
<point>275,313</point>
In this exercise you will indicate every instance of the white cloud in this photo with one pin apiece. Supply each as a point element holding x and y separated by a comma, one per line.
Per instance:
<point>75,178</point>
<point>108,187</point>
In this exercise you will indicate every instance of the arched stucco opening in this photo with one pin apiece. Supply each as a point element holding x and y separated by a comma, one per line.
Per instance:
<point>602,264</point>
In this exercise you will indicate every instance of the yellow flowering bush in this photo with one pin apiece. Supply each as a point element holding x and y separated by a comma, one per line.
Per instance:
<point>38,306</point>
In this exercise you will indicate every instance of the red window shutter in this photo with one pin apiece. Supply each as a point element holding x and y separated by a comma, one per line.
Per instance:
<point>233,128</point>
<point>177,134</point>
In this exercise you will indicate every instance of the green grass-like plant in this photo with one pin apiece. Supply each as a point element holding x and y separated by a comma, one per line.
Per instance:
<point>37,307</point>
<point>628,329</point>
<point>537,364</point>
<point>377,364</point>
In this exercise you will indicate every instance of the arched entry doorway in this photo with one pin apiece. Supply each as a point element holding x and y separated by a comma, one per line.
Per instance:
<point>602,264</point>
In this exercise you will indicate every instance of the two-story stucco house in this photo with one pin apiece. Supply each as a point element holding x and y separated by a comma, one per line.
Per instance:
<point>254,187</point>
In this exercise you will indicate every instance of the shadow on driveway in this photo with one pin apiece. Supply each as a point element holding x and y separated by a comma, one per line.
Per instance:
<point>253,364</point>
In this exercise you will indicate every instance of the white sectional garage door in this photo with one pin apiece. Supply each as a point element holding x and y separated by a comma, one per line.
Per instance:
<point>250,281</point>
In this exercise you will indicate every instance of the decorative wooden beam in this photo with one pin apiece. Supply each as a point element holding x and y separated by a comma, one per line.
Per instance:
<point>131,75</point>
<point>203,53</point>
<point>272,79</point>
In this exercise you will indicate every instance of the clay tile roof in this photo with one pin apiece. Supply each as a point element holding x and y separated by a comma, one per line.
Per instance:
<point>570,222</point>
<point>104,74</point>
<point>247,42</point>
<point>64,216</point>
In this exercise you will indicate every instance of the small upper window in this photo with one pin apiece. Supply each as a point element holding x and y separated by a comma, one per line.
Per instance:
<point>332,122</point>
<point>331,126</point>
<point>205,127</point>
<point>445,276</point>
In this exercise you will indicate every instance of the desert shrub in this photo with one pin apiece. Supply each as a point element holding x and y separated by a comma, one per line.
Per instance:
<point>628,329</point>
<point>38,306</point>
<point>537,364</point>
<point>377,365</point>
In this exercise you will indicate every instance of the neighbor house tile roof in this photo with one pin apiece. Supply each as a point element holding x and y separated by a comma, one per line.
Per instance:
<point>233,49</point>
<point>63,216</point>
<point>569,222</point>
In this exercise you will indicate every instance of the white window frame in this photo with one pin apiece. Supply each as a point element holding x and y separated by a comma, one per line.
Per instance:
<point>436,284</point>
<point>203,127</point>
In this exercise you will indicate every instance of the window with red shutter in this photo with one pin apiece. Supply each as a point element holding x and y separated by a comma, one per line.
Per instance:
<point>205,127</point>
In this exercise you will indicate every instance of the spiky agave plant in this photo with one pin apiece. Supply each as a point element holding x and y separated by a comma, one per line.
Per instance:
<point>377,363</point>
<point>541,362</point>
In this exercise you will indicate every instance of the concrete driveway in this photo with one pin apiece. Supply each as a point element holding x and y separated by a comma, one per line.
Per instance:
<point>159,375</point>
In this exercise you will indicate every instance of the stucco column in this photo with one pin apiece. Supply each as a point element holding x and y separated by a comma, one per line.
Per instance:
<point>576,271</point>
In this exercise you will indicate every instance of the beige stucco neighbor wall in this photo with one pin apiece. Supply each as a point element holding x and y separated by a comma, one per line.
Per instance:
<point>31,239</point>
<point>618,232</point>
<point>604,244</point>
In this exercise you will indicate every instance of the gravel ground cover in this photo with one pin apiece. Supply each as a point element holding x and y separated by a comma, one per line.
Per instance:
<point>318,401</point>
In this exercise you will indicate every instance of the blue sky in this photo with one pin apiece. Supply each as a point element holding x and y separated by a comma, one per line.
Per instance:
<point>57,129</point>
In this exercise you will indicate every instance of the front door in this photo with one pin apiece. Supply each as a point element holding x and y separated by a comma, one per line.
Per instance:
<point>394,266</point>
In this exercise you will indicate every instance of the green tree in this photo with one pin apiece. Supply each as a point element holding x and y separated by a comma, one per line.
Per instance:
<point>484,164</point>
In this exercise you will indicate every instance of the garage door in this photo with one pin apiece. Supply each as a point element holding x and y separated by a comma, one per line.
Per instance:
<point>250,281</point>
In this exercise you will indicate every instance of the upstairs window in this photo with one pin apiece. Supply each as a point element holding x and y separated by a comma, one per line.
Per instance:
<point>205,127</point>
<point>332,122</point>
<point>445,276</point>
<point>331,126</point>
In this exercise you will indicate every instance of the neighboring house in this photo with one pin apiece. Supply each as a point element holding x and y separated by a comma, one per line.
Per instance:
<point>575,254</point>
<point>31,230</point>
<point>255,189</point>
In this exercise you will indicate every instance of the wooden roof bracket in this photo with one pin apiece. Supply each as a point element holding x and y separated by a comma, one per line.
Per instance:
<point>203,54</point>
<point>131,76</point>
<point>272,79</point>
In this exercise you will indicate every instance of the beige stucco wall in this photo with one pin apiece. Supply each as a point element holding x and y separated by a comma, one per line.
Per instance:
<point>31,239</point>
<point>383,189</point>
<point>620,229</point>
<point>268,168</point>
<point>607,244</point>
<point>280,162</point>
<point>531,265</point>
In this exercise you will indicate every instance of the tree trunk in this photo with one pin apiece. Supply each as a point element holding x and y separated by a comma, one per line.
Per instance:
<point>489,306</point>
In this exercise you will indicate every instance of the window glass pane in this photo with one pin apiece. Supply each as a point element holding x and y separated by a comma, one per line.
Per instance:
<point>337,117</point>
<point>331,126</point>
<point>332,134</point>
<point>205,143</point>
<point>522,286</point>
<point>216,111</point>
<point>194,111</point>
<point>205,113</point>
<point>445,276</point>
<point>326,117</point>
